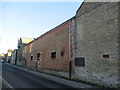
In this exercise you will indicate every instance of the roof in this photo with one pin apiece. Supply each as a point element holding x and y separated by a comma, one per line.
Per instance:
<point>10,50</point>
<point>52,29</point>
<point>26,40</point>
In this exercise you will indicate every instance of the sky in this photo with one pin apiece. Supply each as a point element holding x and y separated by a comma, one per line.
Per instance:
<point>31,19</point>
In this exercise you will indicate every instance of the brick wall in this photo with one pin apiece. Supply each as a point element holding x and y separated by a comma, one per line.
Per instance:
<point>56,40</point>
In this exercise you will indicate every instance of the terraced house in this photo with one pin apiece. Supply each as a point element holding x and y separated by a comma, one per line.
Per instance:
<point>85,46</point>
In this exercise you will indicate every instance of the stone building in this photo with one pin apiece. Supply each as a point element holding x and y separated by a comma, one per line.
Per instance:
<point>2,56</point>
<point>86,46</point>
<point>14,57</point>
<point>9,54</point>
<point>96,46</point>
<point>21,43</point>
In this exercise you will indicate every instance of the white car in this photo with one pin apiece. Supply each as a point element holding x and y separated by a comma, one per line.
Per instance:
<point>2,61</point>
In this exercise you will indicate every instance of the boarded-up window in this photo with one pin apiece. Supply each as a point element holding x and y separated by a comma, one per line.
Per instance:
<point>62,53</point>
<point>80,61</point>
<point>31,58</point>
<point>53,55</point>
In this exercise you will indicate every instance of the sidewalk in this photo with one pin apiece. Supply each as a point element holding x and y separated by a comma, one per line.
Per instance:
<point>58,79</point>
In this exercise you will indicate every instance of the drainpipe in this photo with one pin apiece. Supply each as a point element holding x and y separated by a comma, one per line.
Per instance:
<point>36,60</point>
<point>70,63</point>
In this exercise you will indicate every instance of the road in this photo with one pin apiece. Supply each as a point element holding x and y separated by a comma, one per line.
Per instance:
<point>17,78</point>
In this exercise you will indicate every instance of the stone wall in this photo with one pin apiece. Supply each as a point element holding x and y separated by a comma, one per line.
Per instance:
<point>97,42</point>
<point>119,43</point>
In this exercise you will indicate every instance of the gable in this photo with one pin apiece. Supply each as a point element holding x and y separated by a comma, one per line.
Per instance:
<point>87,6</point>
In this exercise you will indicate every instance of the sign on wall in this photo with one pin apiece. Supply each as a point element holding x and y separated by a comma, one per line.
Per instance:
<point>80,61</point>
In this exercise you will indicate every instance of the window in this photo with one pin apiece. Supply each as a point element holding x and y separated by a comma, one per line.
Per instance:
<point>62,53</point>
<point>31,58</point>
<point>38,55</point>
<point>53,54</point>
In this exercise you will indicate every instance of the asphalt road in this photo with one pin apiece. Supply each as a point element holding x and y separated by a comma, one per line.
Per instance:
<point>17,78</point>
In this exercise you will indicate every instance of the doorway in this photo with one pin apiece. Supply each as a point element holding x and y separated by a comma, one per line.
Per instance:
<point>38,64</point>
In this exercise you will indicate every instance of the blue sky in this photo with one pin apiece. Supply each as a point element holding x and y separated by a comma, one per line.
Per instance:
<point>31,19</point>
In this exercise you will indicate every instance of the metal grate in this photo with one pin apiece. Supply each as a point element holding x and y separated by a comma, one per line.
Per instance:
<point>80,61</point>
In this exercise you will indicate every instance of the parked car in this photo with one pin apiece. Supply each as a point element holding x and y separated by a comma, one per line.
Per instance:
<point>2,61</point>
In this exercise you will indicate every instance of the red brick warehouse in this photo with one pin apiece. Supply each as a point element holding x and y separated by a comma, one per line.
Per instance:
<point>50,51</point>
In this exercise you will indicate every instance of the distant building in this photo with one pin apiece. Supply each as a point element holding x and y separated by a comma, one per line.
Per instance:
<point>9,54</point>
<point>6,57</point>
<point>21,42</point>
<point>14,57</point>
<point>2,56</point>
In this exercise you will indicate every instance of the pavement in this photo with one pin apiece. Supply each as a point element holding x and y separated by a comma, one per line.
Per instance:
<point>56,79</point>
